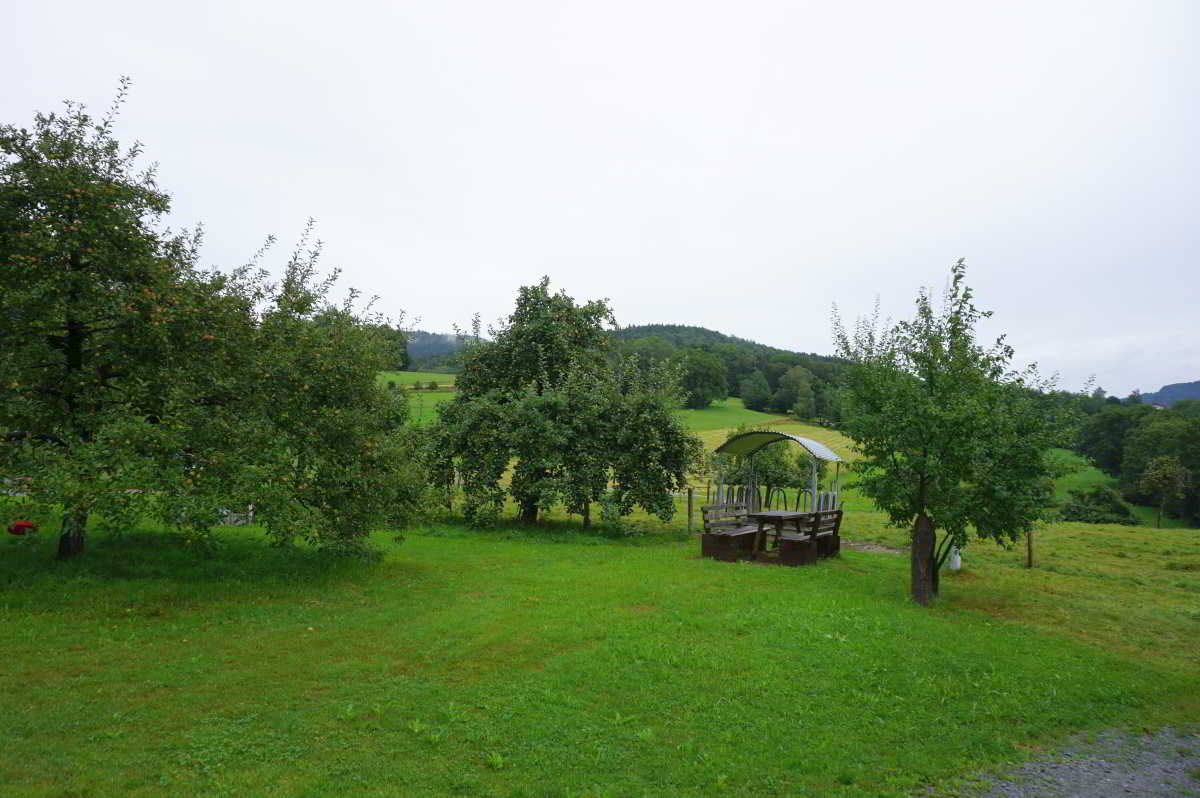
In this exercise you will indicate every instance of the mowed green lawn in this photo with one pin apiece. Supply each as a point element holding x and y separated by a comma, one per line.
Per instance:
<point>553,663</point>
<point>422,403</point>
<point>723,414</point>
<point>407,378</point>
<point>506,663</point>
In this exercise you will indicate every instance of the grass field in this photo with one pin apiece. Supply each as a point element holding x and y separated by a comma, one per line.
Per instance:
<point>551,662</point>
<point>407,378</point>
<point>423,403</point>
<point>726,413</point>
<point>509,663</point>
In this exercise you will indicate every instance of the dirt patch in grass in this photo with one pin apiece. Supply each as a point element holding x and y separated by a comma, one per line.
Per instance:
<point>862,545</point>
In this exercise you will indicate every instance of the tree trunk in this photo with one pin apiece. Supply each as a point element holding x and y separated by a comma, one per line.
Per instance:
<point>529,511</point>
<point>74,528</point>
<point>1161,506</point>
<point>74,523</point>
<point>1029,549</point>
<point>587,514</point>
<point>924,569</point>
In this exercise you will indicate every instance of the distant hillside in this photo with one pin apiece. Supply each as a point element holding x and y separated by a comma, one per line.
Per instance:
<point>429,351</point>
<point>1170,394</point>
<point>683,335</point>
<point>765,377</point>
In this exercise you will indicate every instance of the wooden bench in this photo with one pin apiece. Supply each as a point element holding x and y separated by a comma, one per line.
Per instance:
<point>728,534</point>
<point>817,537</point>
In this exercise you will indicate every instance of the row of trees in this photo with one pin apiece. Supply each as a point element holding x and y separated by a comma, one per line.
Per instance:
<point>136,385</point>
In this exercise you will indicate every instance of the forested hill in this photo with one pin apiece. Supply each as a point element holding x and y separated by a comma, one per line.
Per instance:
<point>686,336</point>
<point>765,377</point>
<point>429,351</point>
<point>1170,394</point>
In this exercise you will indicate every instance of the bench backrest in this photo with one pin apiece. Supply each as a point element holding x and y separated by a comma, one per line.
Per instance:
<point>723,517</point>
<point>823,523</point>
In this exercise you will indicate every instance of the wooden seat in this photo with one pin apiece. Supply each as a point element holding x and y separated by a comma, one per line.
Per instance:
<point>727,533</point>
<point>816,536</point>
<point>826,528</point>
<point>796,548</point>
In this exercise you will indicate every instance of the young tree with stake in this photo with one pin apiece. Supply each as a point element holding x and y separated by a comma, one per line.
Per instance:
<point>950,436</point>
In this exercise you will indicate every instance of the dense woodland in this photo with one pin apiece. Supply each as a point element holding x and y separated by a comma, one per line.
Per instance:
<point>1132,440</point>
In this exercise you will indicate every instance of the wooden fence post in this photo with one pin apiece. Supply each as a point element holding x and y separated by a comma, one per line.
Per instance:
<point>1029,549</point>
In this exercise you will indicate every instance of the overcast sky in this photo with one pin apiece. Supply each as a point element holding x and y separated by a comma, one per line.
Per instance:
<point>738,166</point>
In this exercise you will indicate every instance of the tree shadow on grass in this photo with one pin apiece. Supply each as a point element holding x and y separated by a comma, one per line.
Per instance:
<point>241,563</point>
<point>552,531</point>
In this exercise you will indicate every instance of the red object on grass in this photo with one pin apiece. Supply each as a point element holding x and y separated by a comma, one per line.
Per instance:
<point>22,528</point>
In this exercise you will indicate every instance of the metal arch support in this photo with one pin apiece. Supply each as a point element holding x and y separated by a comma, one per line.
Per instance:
<point>748,443</point>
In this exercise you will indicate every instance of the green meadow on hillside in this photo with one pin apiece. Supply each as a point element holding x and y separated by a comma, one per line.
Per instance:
<point>720,415</point>
<point>422,403</point>
<point>407,378</point>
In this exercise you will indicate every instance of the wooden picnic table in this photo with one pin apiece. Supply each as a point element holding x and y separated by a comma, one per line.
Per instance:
<point>776,518</point>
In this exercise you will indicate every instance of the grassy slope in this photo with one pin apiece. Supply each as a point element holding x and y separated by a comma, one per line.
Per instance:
<point>727,413</point>
<point>422,403</point>
<point>720,415</point>
<point>409,377</point>
<point>479,665</point>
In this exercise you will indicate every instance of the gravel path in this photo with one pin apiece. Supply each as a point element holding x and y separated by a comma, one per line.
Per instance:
<point>1113,764</point>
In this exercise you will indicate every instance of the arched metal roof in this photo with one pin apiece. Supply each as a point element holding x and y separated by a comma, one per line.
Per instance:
<point>751,442</point>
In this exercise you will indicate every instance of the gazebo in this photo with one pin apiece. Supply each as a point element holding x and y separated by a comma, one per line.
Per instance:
<point>749,443</point>
<point>735,527</point>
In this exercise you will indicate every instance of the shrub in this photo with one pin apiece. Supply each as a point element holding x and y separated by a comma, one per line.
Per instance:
<point>1100,505</point>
